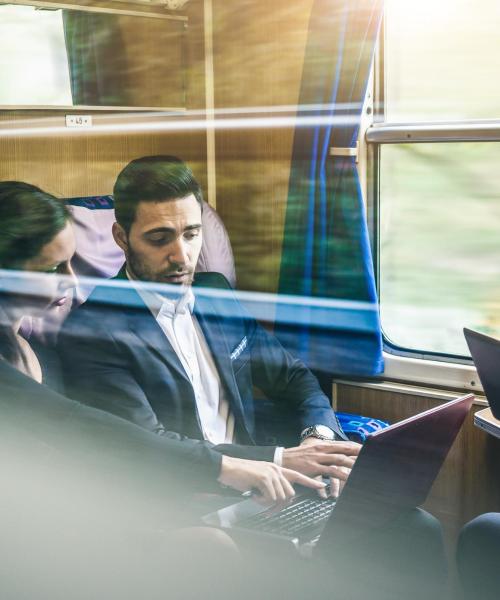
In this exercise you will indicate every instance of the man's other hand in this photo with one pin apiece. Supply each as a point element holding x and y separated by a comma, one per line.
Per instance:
<point>271,481</point>
<point>322,458</point>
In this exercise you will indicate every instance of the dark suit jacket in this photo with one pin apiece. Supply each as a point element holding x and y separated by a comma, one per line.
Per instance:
<point>117,358</point>
<point>52,430</point>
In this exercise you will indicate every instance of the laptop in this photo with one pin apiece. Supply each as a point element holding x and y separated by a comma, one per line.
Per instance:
<point>485,353</point>
<point>393,473</point>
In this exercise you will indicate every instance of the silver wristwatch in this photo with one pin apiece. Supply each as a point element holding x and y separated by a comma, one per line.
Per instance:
<point>322,432</point>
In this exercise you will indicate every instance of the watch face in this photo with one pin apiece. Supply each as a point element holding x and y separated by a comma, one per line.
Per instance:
<point>324,432</point>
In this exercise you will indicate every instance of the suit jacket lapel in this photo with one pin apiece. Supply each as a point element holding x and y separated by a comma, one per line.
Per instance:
<point>122,273</point>
<point>217,342</point>
<point>144,325</point>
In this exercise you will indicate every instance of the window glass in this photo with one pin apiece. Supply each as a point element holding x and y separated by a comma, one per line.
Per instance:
<point>442,60</point>
<point>439,244</point>
<point>33,59</point>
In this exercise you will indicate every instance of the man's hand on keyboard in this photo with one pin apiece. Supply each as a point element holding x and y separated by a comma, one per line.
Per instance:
<point>269,480</point>
<point>336,485</point>
<point>320,458</point>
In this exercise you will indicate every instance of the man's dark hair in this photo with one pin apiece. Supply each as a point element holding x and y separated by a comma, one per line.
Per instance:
<point>149,179</point>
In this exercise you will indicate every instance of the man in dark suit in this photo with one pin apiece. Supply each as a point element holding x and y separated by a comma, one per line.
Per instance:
<point>182,361</point>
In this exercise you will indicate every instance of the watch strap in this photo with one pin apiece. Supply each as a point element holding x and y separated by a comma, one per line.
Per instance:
<point>312,431</point>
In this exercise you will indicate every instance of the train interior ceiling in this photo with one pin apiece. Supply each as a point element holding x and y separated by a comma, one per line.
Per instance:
<point>239,90</point>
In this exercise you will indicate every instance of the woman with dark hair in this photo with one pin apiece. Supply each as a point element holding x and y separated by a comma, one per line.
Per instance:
<point>36,237</point>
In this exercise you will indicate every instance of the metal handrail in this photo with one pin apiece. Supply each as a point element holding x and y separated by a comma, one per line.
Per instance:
<point>463,131</point>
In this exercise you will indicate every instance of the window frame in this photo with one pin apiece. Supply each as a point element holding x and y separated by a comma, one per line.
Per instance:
<point>376,134</point>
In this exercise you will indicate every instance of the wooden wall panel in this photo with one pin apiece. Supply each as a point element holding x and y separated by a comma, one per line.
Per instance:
<point>481,473</point>
<point>469,482</point>
<point>87,164</point>
<point>258,56</point>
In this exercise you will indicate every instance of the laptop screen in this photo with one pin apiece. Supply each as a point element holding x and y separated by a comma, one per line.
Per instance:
<point>485,353</point>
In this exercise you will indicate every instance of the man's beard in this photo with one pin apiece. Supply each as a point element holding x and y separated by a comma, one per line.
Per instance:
<point>140,270</point>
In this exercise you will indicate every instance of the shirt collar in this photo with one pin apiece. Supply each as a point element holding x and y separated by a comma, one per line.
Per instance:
<point>169,307</point>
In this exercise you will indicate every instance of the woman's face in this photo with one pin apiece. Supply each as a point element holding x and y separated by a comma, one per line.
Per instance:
<point>52,293</point>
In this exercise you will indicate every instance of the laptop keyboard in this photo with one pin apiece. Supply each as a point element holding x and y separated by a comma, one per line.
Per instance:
<point>301,514</point>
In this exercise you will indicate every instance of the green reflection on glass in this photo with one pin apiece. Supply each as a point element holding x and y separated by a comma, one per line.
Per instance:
<point>440,243</point>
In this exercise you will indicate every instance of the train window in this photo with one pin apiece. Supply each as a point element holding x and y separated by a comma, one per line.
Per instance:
<point>437,182</point>
<point>37,68</point>
<point>439,243</point>
<point>441,60</point>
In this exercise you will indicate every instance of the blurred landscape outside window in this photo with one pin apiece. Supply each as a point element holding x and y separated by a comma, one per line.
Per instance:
<point>440,202</point>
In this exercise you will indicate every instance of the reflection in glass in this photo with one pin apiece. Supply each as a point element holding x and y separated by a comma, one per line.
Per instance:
<point>33,61</point>
<point>84,58</point>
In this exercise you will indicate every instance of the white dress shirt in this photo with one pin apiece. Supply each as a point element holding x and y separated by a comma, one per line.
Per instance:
<point>175,317</point>
<point>186,338</point>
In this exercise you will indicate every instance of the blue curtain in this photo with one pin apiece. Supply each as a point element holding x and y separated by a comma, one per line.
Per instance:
<point>97,59</point>
<point>326,250</point>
